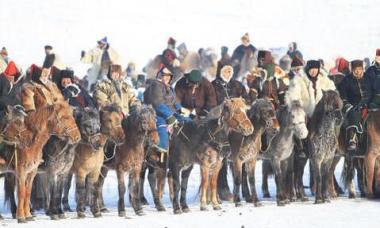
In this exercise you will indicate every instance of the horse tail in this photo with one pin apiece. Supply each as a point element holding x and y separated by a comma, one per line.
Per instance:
<point>9,188</point>
<point>348,171</point>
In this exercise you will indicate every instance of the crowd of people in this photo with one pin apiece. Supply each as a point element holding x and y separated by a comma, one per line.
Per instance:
<point>193,96</point>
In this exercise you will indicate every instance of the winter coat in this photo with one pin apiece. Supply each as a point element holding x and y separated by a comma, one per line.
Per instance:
<point>106,93</point>
<point>354,91</point>
<point>295,53</point>
<point>301,89</point>
<point>37,95</point>
<point>82,100</point>
<point>7,93</point>
<point>163,100</point>
<point>225,60</point>
<point>226,90</point>
<point>203,98</point>
<point>373,73</point>
<point>254,87</point>
<point>273,89</point>
<point>240,51</point>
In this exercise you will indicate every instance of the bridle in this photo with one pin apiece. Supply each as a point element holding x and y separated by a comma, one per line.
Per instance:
<point>17,135</point>
<point>60,125</point>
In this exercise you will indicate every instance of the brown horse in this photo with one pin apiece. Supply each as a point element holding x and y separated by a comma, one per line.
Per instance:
<point>373,151</point>
<point>245,149</point>
<point>139,127</point>
<point>39,125</point>
<point>89,159</point>
<point>207,145</point>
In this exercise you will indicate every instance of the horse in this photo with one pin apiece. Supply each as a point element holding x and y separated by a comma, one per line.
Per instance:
<point>39,125</point>
<point>89,155</point>
<point>373,152</point>
<point>280,150</point>
<point>245,149</point>
<point>139,128</point>
<point>323,140</point>
<point>207,145</point>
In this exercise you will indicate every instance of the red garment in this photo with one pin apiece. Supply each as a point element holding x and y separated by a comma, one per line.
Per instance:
<point>11,69</point>
<point>343,65</point>
<point>364,113</point>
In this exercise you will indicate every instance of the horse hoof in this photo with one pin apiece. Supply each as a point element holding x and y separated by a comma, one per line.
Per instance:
<point>217,208</point>
<point>81,215</point>
<point>62,216</point>
<point>238,204</point>
<point>185,209</point>
<point>29,219</point>
<point>143,201</point>
<point>258,204</point>
<point>13,216</point>
<point>140,212</point>
<point>280,203</point>
<point>160,208</point>
<point>177,211</point>
<point>97,214</point>
<point>351,196</point>
<point>326,200</point>
<point>203,208</point>
<point>54,217</point>
<point>21,220</point>
<point>318,201</point>
<point>121,213</point>
<point>104,210</point>
<point>249,200</point>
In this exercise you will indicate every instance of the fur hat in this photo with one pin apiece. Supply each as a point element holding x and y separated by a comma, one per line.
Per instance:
<point>171,41</point>
<point>245,37</point>
<point>35,72</point>
<point>116,68</point>
<point>4,51</point>
<point>356,63</point>
<point>312,64</point>
<point>11,69</point>
<point>297,62</point>
<point>103,40</point>
<point>195,76</point>
<point>67,74</point>
<point>48,47</point>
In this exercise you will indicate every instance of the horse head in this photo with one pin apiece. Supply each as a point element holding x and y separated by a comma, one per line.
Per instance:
<point>12,124</point>
<point>332,105</point>
<point>295,118</point>
<point>142,122</point>
<point>88,121</point>
<point>263,114</point>
<point>61,122</point>
<point>111,118</point>
<point>234,114</point>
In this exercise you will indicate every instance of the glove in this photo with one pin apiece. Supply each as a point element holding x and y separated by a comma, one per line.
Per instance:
<point>71,91</point>
<point>82,54</point>
<point>171,120</point>
<point>185,111</point>
<point>182,119</point>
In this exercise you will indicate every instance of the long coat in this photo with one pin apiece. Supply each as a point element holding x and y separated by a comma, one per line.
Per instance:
<point>106,93</point>
<point>8,94</point>
<point>355,91</point>
<point>202,99</point>
<point>301,89</point>
<point>226,90</point>
<point>36,95</point>
<point>373,73</point>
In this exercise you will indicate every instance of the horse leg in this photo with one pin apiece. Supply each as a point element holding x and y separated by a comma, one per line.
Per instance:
<point>370,161</point>
<point>141,196</point>
<point>92,181</point>
<point>250,167</point>
<point>266,166</point>
<point>205,175</point>
<point>121,187</point>
<point>276,164</point>
<point>326,168</point>
<point>317,181</point>
<point>184,180</point>
<point>176,187</point>
<point>359,164</point>
<point>52,212</point>
<point>331,177</point>
<point>9,189</point>
<point>99,187</point>
<point>81,193</point>
<point>223,188</point>
<point>237,172</point>
<point>161,177</point>
<point>214,186</point>
<point>66,189</point>
<point>134,178</point>
<point>300,164</point>
<point>61,183</point>
<point>244,186</point>
<point>21,194</point>
<point>28,191</point>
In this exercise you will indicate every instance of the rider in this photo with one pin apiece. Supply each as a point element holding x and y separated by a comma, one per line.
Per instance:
<point>373,73</point>
<point>161,96</point>
<point>240,51</point>
<point>114,90</point>
<point>354,91</point>
<point>293,51</point>
<point>169,57</point>
<point>195,93</point>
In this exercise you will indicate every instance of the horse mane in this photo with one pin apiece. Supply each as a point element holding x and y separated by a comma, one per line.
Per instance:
<point>34,119</point>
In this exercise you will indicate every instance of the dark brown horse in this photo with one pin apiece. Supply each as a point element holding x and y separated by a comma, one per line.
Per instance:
<point>245,149</point>
<point>373,152</point>
<point>139,128</point>
<point>207,145</point>
<point>55,120</point>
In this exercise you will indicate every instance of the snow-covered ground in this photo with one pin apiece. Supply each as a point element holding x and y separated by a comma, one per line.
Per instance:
<point>340,213</point>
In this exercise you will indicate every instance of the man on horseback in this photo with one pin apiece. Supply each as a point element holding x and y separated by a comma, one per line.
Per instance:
<point>293,51</point>
<point>354,91</point>
<point>373,72</point>
<point>161,96</point>
<point>195,93</point>
<point>114,90</point>
<point>240,52</point>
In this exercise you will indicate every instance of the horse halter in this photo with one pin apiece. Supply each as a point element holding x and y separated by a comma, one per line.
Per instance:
<point>17,135</point>
<point>90,138</point>
<point>60,125</point>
